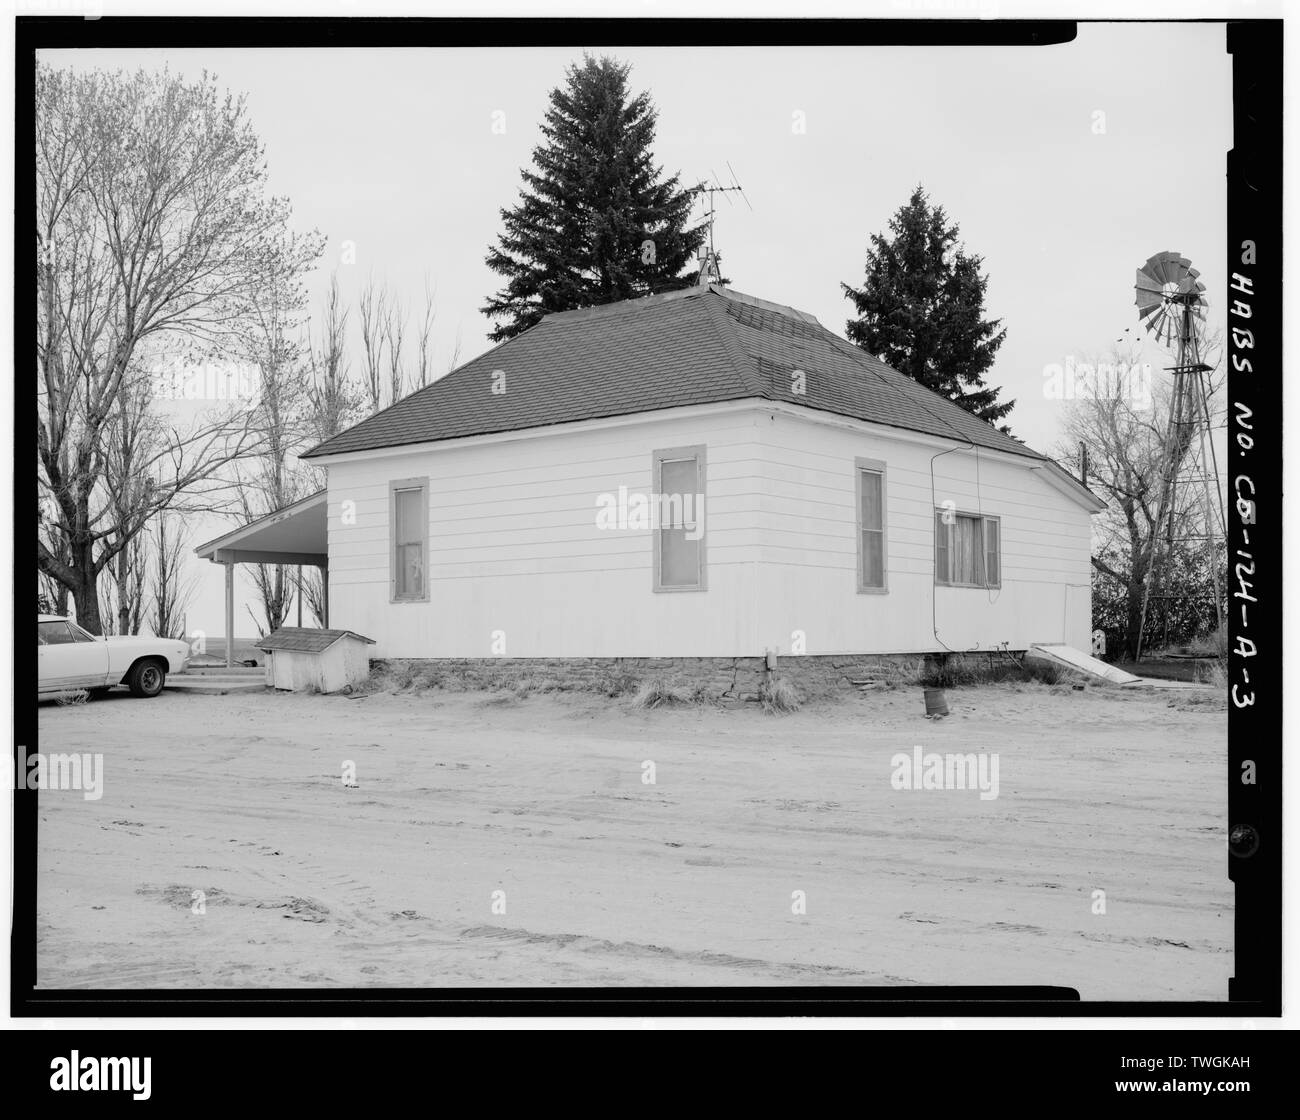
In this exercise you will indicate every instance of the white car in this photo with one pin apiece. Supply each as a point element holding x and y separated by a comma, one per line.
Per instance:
<point>70,659</point>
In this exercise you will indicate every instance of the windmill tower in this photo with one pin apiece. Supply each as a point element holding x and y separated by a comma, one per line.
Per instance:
<point>1171,305</point>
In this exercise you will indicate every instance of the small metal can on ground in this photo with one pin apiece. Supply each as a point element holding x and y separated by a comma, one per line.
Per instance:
<point>936,703</point>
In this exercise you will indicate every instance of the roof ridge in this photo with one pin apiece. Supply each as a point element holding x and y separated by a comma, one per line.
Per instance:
<point>619,306</point>
<point>742,361</point>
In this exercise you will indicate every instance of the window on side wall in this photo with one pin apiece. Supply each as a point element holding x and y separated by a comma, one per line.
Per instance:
<point>679,507</point>
<point>408,520</point>
<point>967,549</point>
<point>870,498</point>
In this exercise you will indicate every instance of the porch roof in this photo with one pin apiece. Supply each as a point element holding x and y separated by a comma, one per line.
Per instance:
<point>296,534</point>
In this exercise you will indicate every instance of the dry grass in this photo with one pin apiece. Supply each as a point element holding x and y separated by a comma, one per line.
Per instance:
<point>73,698</point>
<point>658,693</point>
<point>779,696</point>
<point>1213,643</point>
<point>1215,673</point>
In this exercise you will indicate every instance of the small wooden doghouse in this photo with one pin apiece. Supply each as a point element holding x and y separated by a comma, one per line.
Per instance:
<point>299,659</point>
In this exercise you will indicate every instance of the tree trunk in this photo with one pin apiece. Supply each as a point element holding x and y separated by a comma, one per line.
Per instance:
<point>85,596</point>
<point>123,592</point>
<point>1134,626</point>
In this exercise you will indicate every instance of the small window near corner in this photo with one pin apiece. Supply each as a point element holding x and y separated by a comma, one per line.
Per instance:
<point>870,498</point>
<point>678,506</point>
<point>408,519</point>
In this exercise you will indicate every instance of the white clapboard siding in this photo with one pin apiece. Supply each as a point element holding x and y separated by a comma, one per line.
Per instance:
<point>808,573</point>
<point>515,553</point>
<point>517,564</point>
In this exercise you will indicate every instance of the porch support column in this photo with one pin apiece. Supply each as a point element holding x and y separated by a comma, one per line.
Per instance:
<point>230,613</point>
<point>325,593</point>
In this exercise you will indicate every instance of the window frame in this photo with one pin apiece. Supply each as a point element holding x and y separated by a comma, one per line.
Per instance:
<point>983,519</point>
<point>698,452</point>
<point>395,485</point>
<point>873,466</point>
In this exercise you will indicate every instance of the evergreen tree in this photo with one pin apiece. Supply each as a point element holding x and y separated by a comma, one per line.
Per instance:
<point>921,309</point>
<point>597,220</point>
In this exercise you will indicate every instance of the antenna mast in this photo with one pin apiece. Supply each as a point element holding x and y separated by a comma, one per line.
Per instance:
<point>710,261</point>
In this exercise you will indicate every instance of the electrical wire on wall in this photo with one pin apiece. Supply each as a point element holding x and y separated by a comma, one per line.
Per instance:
<point>934,503</point>
<point>934,621</point>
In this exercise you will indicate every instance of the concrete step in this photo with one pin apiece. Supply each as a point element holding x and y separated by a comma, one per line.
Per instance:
<point>221,670</point>
<point>212,686</point>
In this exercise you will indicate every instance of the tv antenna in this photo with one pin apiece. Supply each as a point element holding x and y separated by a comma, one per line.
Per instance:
<point>710,261</point>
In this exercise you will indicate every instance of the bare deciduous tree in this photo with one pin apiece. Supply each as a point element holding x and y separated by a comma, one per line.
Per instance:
<point>394,332</point>
<point>152,221</point>
<point>332,397</point>
<point>171,589</point>
<point>281,419</point>
<point>372,308</point>
<point>423,359</point>
<point>1130,450</point>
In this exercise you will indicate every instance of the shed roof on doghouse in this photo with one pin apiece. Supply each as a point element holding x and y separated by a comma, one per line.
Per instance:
<point>302,639</point>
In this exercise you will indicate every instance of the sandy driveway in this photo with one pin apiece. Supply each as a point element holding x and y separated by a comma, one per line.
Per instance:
<point>608,880</point>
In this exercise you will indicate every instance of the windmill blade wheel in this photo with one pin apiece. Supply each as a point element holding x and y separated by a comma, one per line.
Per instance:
<point>1165,286</point>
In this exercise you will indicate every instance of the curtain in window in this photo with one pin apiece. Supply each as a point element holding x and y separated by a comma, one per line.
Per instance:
<point>968,551</point>
<point>992,549</point>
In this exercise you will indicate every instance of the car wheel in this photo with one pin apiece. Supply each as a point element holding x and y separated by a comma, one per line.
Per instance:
<point>146,678</point>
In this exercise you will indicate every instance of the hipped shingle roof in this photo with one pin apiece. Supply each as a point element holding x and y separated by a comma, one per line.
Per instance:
<point>703,345</point>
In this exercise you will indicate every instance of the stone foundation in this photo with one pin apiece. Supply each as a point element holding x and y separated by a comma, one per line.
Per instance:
<point>721,679</point>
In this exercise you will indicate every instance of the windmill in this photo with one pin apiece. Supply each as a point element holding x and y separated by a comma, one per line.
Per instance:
<point>1171,306</point>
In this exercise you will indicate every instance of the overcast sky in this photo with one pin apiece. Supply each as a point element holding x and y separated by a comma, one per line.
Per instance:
<point>395,152</point>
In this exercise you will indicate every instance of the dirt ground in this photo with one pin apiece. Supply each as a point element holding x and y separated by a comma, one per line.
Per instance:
<point>609,880</point>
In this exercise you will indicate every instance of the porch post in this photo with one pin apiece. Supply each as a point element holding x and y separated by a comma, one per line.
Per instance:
<point>299,596</point>
<point>230,613</point>
<point>325,593</point>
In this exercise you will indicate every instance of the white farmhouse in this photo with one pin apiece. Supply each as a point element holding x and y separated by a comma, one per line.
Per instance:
<point>699,474</point>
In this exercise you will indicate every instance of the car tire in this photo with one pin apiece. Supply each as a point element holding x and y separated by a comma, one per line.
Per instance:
<point>146,678</point>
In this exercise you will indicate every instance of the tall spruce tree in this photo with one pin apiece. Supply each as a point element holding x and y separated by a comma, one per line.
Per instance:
<point>597,220</point>
<point>921,309</point>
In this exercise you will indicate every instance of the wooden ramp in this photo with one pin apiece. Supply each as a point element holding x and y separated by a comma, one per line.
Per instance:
<point>1080,662</point>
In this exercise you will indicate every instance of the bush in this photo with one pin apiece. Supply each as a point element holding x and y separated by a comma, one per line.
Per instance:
<point>778,696</point>
<point>954,672</point>
<point>656,693</point>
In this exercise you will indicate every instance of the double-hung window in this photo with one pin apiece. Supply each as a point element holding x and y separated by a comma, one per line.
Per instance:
<point>679,526</point>
<point>967,549</point>
<point>870,497</point>
<point>408,519</point>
